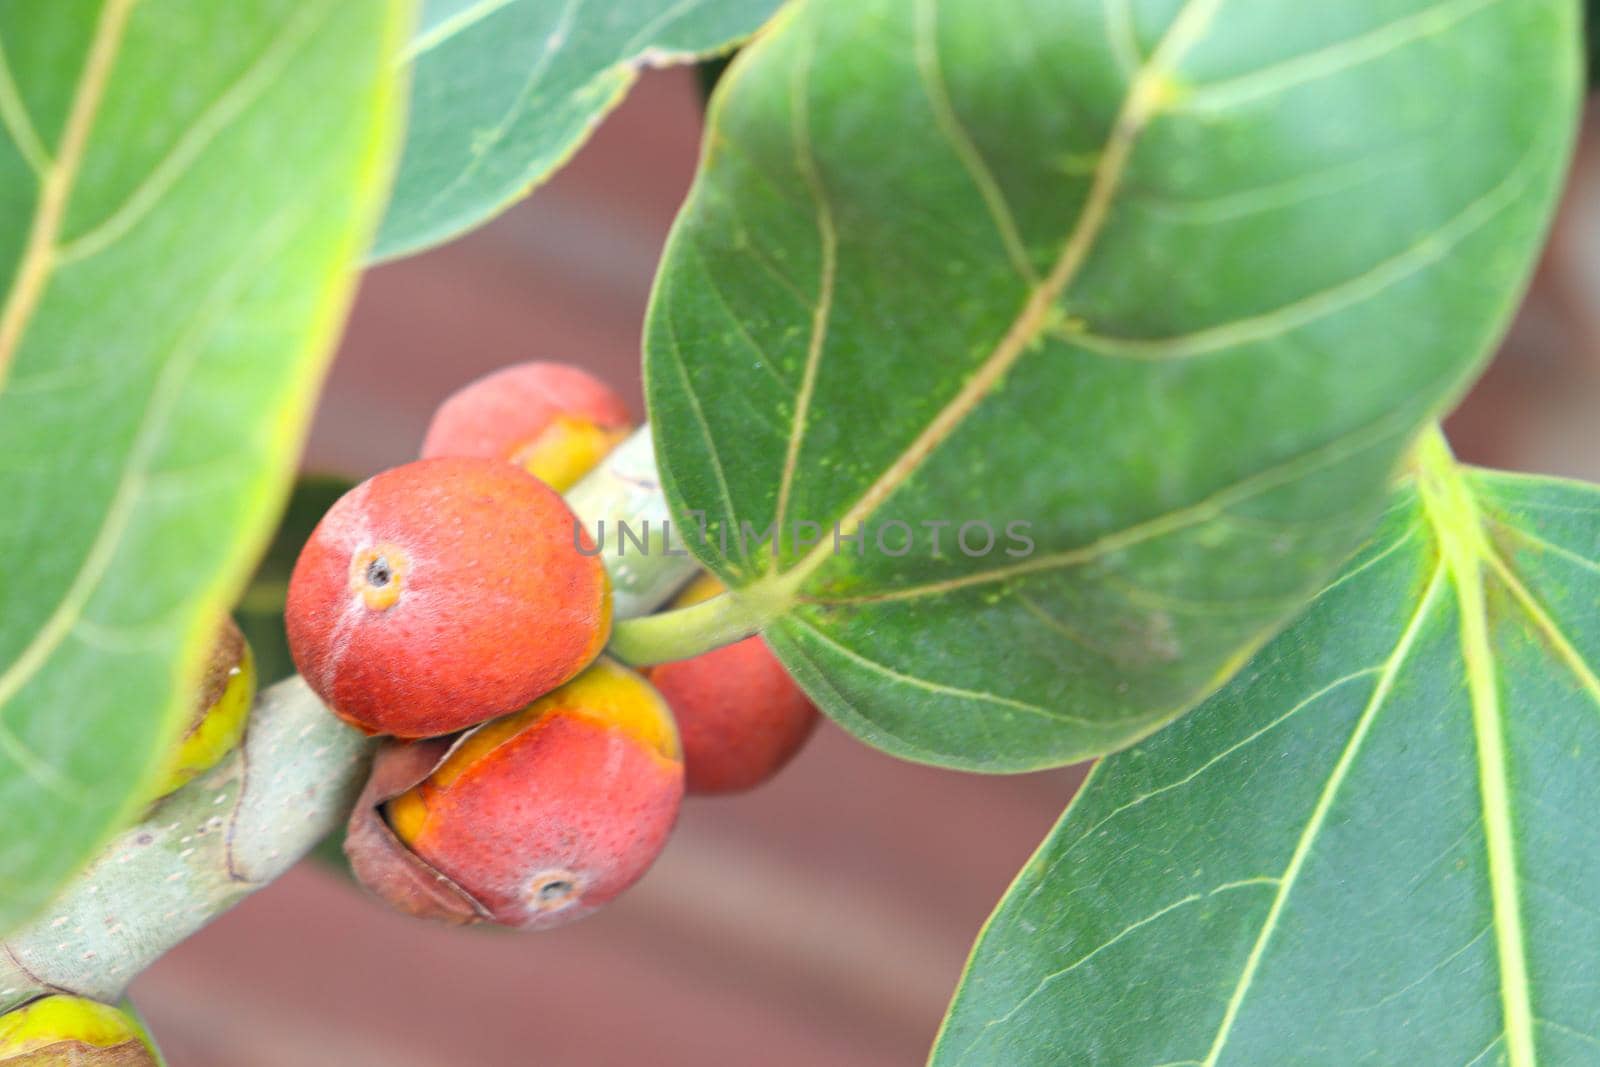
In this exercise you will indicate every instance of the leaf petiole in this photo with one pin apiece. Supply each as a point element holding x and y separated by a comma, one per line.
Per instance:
<point>688,632</point>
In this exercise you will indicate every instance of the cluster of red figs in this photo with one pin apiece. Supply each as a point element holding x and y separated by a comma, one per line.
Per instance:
<point>452,605</point>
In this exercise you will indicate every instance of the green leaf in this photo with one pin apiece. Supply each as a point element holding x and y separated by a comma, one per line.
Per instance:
<point>1373,846</point>
<point>1172,283</point>
<point>505,91</point>
<point>259,611</point>
<point>184,191</point>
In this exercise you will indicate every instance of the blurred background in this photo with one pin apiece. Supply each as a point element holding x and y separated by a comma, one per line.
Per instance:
<point>822,920</point>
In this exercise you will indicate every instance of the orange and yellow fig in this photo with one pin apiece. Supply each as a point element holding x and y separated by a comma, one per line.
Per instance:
<point>443,593</point>
<point>221,710</point>
<point>555,421</point>
<point>535,819</point>
<point>61,1030</point>
<point>740,716</point>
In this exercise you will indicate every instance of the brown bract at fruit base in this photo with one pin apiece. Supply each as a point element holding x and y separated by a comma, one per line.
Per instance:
<point>444,593</point>
<point>740,715</point>
<point>553,420</point>
<point>529,821</point>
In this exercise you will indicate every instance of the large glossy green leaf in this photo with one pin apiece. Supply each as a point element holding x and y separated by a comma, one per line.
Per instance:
<point>184,191</point>
<point>1172,282</point>
<point>504,91</point>
<point>1375,845</point>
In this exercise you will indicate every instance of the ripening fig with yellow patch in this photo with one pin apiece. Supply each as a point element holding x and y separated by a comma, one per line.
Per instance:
<point>553,420</point>
<point>545,815</point>
<point>222,710</point>
<point>69,1031</point>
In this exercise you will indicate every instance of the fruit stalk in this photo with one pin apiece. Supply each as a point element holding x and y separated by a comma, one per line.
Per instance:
<point>289,784</point>
<point>626,487</point>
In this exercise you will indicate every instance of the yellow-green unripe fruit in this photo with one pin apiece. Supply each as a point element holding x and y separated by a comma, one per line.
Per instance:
<point>221,711</point>
<point>64,1031</point>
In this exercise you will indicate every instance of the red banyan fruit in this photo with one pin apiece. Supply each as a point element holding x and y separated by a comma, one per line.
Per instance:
<point>740,716</point>
<point>541,817</point>
<point>443,593</point>
<point>552,420</point>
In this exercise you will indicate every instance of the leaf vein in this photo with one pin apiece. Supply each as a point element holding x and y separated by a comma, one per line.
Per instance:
<point>1544,544</point>
<point>16,122</point>
<point>1395,546</point>
<point>482,147</point>
<point>1371,283</point>
<point>937,688</point>
<point>1142,103</point>
<point>1570,657</point>
<point>37,261</point>
<point>1131,928</point>
<point>1588,1039</point>
<point>1464,548</point>
<point>1335,58</point>
<point>449,27</point>
<point>764,361</point>
<point>1231,750</point>
<point>706,435</point>
<point>649,30</point>
<point>821,680</point>
<point>931,72</point>
<point>257,78</point>
<point>1175,521</point>
<point>805,161</point>
<point>1319,815</point>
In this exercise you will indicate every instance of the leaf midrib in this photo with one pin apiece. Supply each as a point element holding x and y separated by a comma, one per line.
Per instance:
<point>1458,525</point>
<point>1143,100</point>
<point>57,181</point>
<point>828,238</point>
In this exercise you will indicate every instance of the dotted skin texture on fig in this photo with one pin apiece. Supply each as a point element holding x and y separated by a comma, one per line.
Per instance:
<point>501,413</point>
<point>443,593</point>
<point>740,716</point>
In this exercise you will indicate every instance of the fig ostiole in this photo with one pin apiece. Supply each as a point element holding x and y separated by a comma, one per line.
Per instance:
<point>443,593</point>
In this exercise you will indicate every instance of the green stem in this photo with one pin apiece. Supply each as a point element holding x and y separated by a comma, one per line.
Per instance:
<point>687,632</point>
<point>626,489</point>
